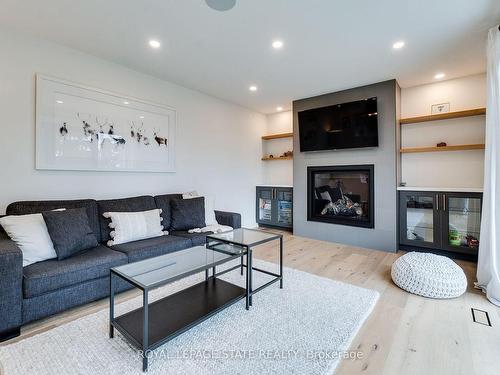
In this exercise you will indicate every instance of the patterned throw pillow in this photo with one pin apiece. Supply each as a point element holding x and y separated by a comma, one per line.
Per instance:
<point>134,226</point>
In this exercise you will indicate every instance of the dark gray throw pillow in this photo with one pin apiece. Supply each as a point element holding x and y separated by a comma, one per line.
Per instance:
<point>187,213</point>
<point>70,231</point>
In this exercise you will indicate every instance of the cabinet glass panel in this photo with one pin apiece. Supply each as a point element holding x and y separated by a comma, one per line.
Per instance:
<point>265,209</point>
<point>420,218</point>
<point>464,218</point>
<point>285,212</point>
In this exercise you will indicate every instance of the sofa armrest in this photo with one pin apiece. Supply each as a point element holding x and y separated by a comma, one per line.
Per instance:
<point>11,280</point>
<point>230,219</point>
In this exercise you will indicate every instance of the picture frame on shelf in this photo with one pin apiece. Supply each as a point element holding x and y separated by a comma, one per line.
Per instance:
<point>440,108</point>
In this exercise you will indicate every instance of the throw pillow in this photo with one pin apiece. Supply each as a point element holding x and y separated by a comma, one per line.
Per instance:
<point>134,226</point>
<point>187,213</point>
<point>209,206</point>
<point>30,234</point>
<point>70,231</point>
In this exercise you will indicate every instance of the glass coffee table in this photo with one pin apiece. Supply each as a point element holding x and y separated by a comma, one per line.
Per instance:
<point>155,323</point>
<point>241,241</point>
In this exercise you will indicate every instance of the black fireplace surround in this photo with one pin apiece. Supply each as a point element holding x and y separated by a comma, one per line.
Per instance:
<point>341,195</point>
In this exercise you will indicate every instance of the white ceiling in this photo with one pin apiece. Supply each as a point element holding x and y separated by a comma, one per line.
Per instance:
<point>329,44</point>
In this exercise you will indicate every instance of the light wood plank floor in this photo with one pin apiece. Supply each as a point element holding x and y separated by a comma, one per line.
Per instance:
<point>405,334</point>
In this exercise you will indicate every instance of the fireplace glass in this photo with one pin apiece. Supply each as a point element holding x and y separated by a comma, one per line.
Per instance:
<point>341,195</point>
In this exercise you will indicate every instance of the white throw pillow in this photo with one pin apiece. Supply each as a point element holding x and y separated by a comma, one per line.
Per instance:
<point>133,226</point>
<point>209,206</point>
<point>30,234</point>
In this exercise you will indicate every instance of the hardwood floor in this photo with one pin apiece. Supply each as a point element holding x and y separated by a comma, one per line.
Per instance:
<point>405,334</point>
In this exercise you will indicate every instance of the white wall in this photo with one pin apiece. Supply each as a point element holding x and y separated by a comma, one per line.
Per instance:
<point>444,169</point>
<point>278,172</point>
<point>218,143</point>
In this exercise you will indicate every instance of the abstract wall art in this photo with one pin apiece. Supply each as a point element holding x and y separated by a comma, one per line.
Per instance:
<point>85,128</point>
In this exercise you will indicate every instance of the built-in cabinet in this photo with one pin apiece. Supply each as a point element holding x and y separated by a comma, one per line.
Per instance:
<point>274,206</point>
<point>447,221</point>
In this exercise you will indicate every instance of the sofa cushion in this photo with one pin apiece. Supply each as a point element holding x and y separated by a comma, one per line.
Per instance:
<point>134,226</point>
<point>187,213</point>
<point>163,202</point>
<point>50,275</point>
<point>133,204</point>
<point>70,231</point>
<point>152,247</point>
<point>37,207</point>
<point>197,239</point>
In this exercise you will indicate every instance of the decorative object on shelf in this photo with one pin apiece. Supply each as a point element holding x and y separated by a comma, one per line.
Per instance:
<point>440,108</point>
<point>287,154</point>
<point>472,241</point>
<point>441,144</point>
<point>85,128</point>
<point>271,156</point>
<point>429,275</point>
<point>454,237</point>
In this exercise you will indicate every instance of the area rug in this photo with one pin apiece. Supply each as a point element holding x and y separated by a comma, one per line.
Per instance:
<point>305,328</point>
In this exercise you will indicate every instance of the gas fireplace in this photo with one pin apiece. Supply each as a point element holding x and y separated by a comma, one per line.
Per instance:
<point>341,195</point>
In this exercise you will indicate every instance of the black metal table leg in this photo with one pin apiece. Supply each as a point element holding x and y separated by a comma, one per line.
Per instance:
<point>247,296</point>
<point>241,265</point>
<point>249,267</point>
<point>281,262</point>
<point>111,306</point>
<point>145,331</point>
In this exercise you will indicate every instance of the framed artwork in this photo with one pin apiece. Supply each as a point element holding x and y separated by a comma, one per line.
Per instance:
<point>440,108</point>
<point>88,129</point>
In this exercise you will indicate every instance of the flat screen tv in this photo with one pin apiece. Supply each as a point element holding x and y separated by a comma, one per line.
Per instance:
<point>339,126</point>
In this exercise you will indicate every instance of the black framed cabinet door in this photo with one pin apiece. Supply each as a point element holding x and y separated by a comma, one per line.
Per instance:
<point>264,205</point>
<point>420,220</point>
<point>284,207</point>
<point>461,221</point>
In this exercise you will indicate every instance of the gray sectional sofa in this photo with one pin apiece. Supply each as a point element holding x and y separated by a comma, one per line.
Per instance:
<point>45,288</point>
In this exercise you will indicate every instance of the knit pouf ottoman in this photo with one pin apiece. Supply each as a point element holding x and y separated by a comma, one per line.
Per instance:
<point>429,275</point>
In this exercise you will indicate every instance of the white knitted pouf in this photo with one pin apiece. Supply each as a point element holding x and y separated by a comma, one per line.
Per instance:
<point>429,275</point>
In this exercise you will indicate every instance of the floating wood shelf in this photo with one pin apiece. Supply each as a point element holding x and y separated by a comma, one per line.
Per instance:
<point>479,146</point>
<point>276,136</point>
<point>444,116</point>
<point>277,158</point>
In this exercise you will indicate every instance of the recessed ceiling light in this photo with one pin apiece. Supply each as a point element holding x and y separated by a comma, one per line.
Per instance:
<point>154,43</point>
<point>279,109</point>
<point>398,45</point>
<point>277,44</point>
<point>125,102</point>
<point>253,88</point>
<point>141,116</point>
<point>59,102</point>
<point>439,76</point>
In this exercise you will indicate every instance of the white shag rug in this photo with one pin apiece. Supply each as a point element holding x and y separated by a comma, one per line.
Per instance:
<point>304,328</point>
